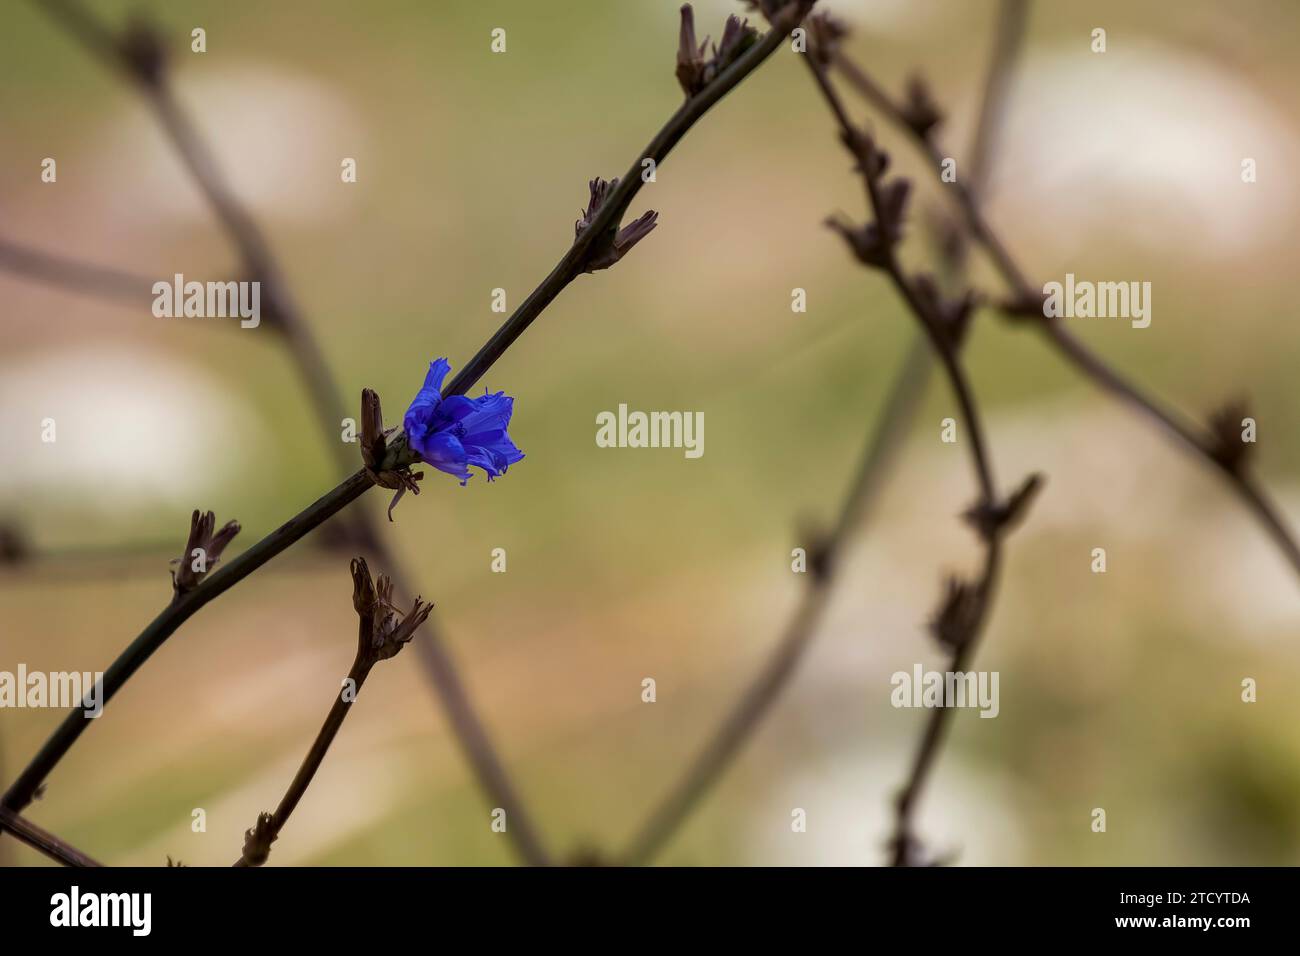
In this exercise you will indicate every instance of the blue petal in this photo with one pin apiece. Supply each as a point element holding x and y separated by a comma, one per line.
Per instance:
<point>454,409</point>
<point>444,451</point>
<point>498,442</point>
<point>489,413</point>
<point>437,372</point>
<point>493,452</point>
<point>499,405</point>
<point>428,398</point>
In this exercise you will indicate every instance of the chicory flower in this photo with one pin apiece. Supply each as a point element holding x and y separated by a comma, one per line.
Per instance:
<point>455,432</point>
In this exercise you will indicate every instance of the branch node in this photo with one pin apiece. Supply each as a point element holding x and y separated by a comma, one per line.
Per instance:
<point>695,71</point>
<point>954,623</point>
<point>825,33</point>
<point>1226,443</point>
<point>821,554</point>
<point>615,243</point>
<point>258,840</point>
<point>951,316</point>
<point>919,110</point>
<point>143,52</point>
<point>374,452</point>
<point>203,550</point>
<point>384,629</point>
<point>991,519</point>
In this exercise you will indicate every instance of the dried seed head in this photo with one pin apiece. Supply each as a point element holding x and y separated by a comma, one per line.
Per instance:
<point>690,57</point>
<point>395,630</point>
<point>989,521</point>
<point>951,315</point>
<point>363,588</point>
<point>695,71</point>
<point>737,37</point>
<point>1227,443</point>
<point>953,625</point>
<point>615,243</point>
<point>373,437</point>
<point>258,840</point>
<point>599,189</point>
<point>919,109</point>
<point>825,33</point>
<point>143,51</point>
<point>384,630</point>
<point>203,550</point>
<point>628,237</point>
<point>867,242</point>
<point>374,452</point>
<point>893,204</point>
<point>873,243</point>
<point>872,161</point>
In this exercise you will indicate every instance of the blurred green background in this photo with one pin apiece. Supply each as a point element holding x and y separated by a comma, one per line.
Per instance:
<point>1118,691</point>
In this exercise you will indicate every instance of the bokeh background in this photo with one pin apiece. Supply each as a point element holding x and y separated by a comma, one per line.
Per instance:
<point>1119,690</point>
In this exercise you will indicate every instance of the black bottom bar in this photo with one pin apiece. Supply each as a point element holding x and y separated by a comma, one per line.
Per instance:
<point>669,905</point>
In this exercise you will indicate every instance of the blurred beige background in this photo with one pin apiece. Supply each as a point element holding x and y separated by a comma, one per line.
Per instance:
<point>1118,690</point>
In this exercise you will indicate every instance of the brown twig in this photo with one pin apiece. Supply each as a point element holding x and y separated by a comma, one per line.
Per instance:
<point>382,632</point>
<point>56,849</point>
<point>1026,302</point>
<point>964,610</point>
<point>1013,16</point>
<point>176,613</point>
<point>61,565</point>
<point>99,281</point>
<point>900,409</point>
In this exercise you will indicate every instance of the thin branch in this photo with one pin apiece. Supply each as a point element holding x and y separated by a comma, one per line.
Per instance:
<point>74,566</point>
<point>1013,16</point>
<point>58,271</point>
<point>965,608</point>
<point>824,560</point>
<point>181,608</point>
<point>943,340</point>
<point>56,849</point>
<point>1203,445</point>
<point>382,632</point>
<point>1026,302</point>
<point>615,206</point>
<point>1009,38</point>
<point>925,141</point>
<point>570,266</point>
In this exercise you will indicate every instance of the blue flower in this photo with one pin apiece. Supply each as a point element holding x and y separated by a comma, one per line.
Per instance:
<point>455,432</point>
